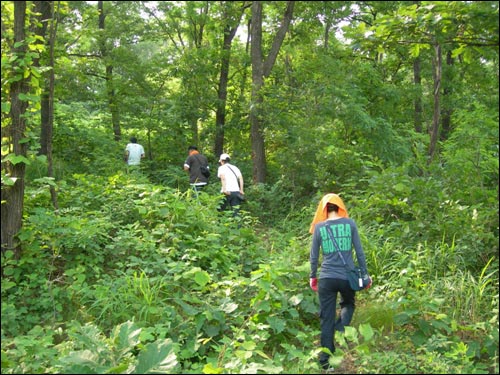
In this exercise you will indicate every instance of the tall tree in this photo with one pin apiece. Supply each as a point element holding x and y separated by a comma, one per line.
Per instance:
<point>447,112</point>
<point>45,14</point>
<point>453,28</point>
<point>417,102</point>
<point>230,26</point>
<point>14,165</point>
<point>110,89</point>
<point>261,68</point>
<point>184,27</point>
<point>43,10</point>
<point>437,65</point>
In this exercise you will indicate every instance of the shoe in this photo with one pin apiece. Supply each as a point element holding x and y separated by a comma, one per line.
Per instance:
<point>328,370</point>
<point>326,367</point>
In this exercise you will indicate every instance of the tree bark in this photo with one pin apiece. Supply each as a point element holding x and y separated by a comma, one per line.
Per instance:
<point>44,8</point>
<point>261,69</point>
<point>446,124</point>
<point>50,105</point>
<point>13,195</point>
<point>220,114</point>
<point>436,75</point>
<point>112,101</point>
<point>417,102</point>
<point>257,138</point>
<point>46,17</point>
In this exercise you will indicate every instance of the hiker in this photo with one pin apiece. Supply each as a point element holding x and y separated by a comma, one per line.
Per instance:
<point>134,153</point>
<point>333,232</point>
<point>231,184</point>
<point>193,164</point>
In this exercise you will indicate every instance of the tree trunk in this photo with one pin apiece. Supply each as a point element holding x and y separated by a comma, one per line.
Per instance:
<point>260,70</point>
<point>50,104</point>
<point>447,107</point>
<point>44,8</point>
<point>112,101</point>
<point>257,138</point>
<point>13,195</point>
<point>220,114</point>
<point>417,102</point>
<point>436,75</point>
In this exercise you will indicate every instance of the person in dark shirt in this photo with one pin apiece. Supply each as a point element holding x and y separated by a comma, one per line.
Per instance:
<point>193,165</point>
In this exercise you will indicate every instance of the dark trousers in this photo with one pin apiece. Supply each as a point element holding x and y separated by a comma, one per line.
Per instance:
<point>231,202</point>
<point>197,188</point>
<point>328,289</point>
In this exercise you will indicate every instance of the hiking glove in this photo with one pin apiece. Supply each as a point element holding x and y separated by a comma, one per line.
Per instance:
<point>313,282</point>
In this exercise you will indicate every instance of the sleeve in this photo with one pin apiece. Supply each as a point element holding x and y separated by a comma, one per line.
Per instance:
<point>187,163</point>
<point>360,254</point>
<point>314,254</point>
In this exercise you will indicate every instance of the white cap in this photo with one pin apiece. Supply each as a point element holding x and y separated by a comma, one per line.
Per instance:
<point>224,157</point>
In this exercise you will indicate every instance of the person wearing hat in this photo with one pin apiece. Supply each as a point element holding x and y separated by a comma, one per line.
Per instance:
<point>231,184</point>
<point>333,231</point>
<point>193,164</point>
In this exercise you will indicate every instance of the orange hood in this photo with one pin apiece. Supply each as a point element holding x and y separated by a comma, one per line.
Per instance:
<point>322,215</point>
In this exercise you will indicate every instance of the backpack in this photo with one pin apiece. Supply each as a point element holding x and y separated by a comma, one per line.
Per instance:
<point>205,171</point>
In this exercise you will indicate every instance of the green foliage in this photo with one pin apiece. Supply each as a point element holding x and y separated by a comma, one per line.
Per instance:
<point>88,351</point>
<point>115,299</point>
<point>421,210</point>
<point>269,202</point>
<point>135,273</point>
<point>30,353</point>
<point>83,144</point>
<point>471,154</point>
<point>132,250</point>
<point>32,292</point>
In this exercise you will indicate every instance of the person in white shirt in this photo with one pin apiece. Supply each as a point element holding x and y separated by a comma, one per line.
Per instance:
<point>134,152</point>
<point>232,184</point>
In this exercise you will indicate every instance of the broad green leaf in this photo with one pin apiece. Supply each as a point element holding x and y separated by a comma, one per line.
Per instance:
<point>16,159</point>
<point>366,331</point>
<point>249,345</point>
<point>202,278</point>
<point>211,369</point>
<point>188,309</point>
<point>277,324</point>
<point>126,336</point>
<point>228,308</point>
<point>296,299</point>
<point>9,181</point>
<point>5,107</point>
<point>157,357</point>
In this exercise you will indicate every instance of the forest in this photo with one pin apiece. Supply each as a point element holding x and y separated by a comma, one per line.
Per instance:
<point>391,105</point>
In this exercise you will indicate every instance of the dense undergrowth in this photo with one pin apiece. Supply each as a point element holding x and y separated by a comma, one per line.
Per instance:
<point>131,276</point>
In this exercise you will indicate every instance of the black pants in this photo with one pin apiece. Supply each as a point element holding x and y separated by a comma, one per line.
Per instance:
<point>328,290</point>
<point>198,188</point>
<point>231,202</point>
